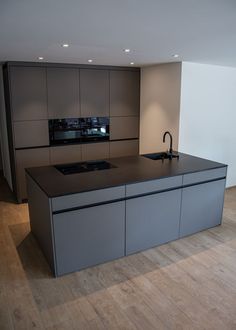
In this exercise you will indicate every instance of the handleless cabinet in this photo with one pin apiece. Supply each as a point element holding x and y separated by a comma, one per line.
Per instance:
<point>28,158</point>
<point>94,92</point>
<point>65,154</point>
<point>124,148</point>
<point>124,93</point>
<point>202,206</point>
<point>152,220</point>
<point>92,151</point>
<point>63,93</point>
<point>93,235</point>
<point>28,93</point>
<point>31,133</point>
<point>124,128</point>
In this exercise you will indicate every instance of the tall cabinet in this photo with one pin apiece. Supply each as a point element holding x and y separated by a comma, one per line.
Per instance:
<point>37,92</point>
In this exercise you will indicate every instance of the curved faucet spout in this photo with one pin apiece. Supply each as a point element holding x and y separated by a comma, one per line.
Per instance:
<point>171,140</point>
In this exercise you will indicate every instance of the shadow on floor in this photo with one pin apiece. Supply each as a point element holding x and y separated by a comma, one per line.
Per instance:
<point>6,195</point>
<point>49,291</point>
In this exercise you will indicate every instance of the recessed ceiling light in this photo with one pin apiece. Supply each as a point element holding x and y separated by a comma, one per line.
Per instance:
<point>175,55</point>
<point>90,61</point>
<point>40,58</point>
<point>131,63</point>
<point>65,45</point>
<point>127,50</point>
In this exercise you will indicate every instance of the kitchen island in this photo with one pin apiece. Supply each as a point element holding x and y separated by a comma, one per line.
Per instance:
<point>84,219</point>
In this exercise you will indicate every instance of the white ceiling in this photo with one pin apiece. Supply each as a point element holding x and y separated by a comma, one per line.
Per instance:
<point>198,30</point>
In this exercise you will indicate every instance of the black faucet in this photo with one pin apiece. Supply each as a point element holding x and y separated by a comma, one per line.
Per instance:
<point>170,151</point>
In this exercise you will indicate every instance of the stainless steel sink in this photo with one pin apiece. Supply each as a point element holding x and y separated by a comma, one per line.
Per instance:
<point>161,155</point>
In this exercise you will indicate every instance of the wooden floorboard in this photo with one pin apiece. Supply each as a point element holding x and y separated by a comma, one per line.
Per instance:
<point>186,284</point>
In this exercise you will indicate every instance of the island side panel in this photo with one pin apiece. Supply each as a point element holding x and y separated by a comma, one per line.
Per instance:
<point>41,220</point>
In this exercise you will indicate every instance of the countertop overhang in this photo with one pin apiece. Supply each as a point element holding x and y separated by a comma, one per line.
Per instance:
<point>128,170</point>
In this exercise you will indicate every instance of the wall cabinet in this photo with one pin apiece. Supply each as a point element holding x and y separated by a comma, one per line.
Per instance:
<point>152,220</point>
<point>63,93</point>
<point>28,93</point>
<point>65,154</point>
<point>94,91</point>
<point>124,128</point>
<point>202,207</point>
<point>124,93</point>
<point>28,158</point>
<point>31,133</point>
<point>124,148</point>
<point>93,235</point>
<point>95,151</point>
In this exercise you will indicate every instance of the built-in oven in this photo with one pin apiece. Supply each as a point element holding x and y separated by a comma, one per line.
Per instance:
<point>78,130</point>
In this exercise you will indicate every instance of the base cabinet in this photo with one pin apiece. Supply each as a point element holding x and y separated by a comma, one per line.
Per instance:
<point>202,207</point>
<point>28,158</point>
<point>89,236</point>
<point>152,220</point>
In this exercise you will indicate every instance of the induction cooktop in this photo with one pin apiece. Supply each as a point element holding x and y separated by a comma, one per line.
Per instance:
<point>84,167</point>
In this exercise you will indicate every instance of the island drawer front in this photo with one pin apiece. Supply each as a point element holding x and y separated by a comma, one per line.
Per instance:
<point>87,198</point>
<point>202,176</point>
<point>88,237</point>
<point>136,189</point>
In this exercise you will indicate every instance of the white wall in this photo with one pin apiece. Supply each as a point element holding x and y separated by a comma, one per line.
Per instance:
<point>208,114</point>
<point>3,135</point>
<point>159,105</point>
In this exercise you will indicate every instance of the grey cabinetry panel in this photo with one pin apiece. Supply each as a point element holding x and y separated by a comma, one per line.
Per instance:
<point>87,198</point>
<point>124,93</point>
<point>202,207</point>
<point>94,91</point>
<point>63,93</point>
<point>95,151</point>
<point>153,185</point>
<point>204,175</point>
<point>124,128</point>
<point>28,93</point>
<point>124,148</point>
<point>152,220</point>
<point>28,158</point>
<point>31,133</point>
<point>65,154</point>
<point>40,219</point>
<point>89,236</point>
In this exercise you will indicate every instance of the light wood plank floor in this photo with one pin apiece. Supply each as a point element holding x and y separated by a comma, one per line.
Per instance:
<point>186,284</point>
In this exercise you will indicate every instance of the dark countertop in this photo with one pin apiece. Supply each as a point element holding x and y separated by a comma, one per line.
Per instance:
<point>130,169</point>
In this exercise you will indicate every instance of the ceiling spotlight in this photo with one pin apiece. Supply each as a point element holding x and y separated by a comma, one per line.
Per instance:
<point>127,50</point>
<point>90,61</point>
<point>131,63</point>
<point>65,45</point>
<point>175,55</point>
<point>40,58</point>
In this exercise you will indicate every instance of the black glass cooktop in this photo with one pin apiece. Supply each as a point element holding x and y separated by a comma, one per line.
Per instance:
<point>84,167</point>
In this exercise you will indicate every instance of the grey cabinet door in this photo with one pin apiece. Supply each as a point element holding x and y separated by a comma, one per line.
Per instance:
<point>28,93</point>
<point>89,236</point>
<point>95,151</point>
<point>63,93</point>
<point>31,133</point>
<point>65,154</point>
<point>94,93</point>
<point>124,128</point>
<point>202,207</point>
<point>124,93</point>
<point>28,158</point>
<point>152,220</point>
<point>124,148</point>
